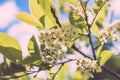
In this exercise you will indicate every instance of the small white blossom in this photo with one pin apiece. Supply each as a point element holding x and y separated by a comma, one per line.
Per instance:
<point>56,42</point>
<point>87,66</point>
<point>112,32</point>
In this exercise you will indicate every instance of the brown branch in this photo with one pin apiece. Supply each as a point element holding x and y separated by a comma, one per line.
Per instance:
<point>89,31</point>
<point>83,54</point>
<point>90,40</point>
<point>81,3</point>
<point>66,61</point>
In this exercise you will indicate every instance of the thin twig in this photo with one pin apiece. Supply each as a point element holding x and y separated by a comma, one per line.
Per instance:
<point>66,61</point>
<point>89,31</point>
<point>90,39</point>
<point>83,54</point>
<point>81,3</point>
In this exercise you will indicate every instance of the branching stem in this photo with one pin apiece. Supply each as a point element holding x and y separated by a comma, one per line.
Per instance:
<point>89,31</point>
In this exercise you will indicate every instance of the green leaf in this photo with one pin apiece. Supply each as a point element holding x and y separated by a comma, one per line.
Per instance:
<point>97,5</point>
<point>102,15</point>
<point>77,20</point>
<point>78,76</point>
<point>99,50</point>
<point>96,8</point>
<point>9,47</point>
<point>40,8</point>
<point>29,19</point>
<point>30,59</point>
<point>33,48</point>
<point>104,56</point>
<point>62,73</point>
<point>95,30</point>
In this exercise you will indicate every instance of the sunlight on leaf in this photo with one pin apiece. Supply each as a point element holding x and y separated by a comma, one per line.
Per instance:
<point>10,48</point>
<point>27,18</point>
<point>104,56</point>
<point>62,73</point>
<point>78,76</point>
<point>42,8</point>
<point>102,15</point>
<point>33,48</point>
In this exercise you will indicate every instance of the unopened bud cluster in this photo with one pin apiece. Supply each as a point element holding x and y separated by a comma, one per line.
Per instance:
<point>54,40</point>
<point>87,66</point>
<point>112,32</point>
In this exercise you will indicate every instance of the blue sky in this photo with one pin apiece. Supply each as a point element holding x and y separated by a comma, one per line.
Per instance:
<point>21,5</point>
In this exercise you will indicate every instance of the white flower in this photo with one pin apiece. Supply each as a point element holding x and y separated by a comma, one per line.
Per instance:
<point>112,32</point>
<point>87,66</point>
<point>55,43</point>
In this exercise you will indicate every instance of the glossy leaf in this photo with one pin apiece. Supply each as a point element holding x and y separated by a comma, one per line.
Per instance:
<point>29,19</point>
<point>40,8</point>
<point>10,48</point>
<point>33,48</point>
<point>104,56</point>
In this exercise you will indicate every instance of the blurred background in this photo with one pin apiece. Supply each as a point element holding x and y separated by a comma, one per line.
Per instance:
<point>22,32</point>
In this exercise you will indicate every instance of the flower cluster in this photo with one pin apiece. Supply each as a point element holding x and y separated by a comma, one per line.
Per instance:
<point>112,32</point>
<point>54,41</point>
<point>87,67</point>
